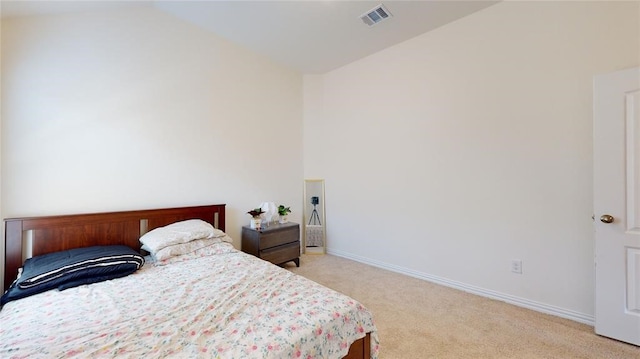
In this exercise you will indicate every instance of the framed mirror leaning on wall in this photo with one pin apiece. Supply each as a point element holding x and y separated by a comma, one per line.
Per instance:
<point>314,225</point>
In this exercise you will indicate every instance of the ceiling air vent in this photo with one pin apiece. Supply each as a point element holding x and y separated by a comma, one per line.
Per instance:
<point>375,15</point>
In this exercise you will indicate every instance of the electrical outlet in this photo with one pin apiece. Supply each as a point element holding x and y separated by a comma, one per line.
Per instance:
<point>516,266</point>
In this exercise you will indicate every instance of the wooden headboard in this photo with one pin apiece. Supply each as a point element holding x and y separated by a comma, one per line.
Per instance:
<point>56,233</point>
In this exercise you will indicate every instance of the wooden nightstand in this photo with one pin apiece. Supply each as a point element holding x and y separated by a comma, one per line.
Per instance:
<point>277,243</point>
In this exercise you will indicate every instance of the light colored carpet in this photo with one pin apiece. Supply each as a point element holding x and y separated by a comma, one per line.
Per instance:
<point>419,319</point>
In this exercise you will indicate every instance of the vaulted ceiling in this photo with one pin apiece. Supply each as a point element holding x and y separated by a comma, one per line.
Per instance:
<point>310,36</point>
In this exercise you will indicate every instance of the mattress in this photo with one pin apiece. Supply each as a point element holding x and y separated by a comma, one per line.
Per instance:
<point>218,303</point>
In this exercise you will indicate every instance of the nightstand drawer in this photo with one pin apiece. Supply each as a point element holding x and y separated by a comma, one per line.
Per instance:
<point>282,253</point>
<point>274,239</point>
<point>277,243</point>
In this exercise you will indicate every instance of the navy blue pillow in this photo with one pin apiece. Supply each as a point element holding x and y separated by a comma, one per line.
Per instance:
<point>71,268</point>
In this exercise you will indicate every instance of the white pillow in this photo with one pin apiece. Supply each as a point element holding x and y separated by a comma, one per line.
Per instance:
<point>183,248</point>
<point>179,232</point>
<point>223,247</point>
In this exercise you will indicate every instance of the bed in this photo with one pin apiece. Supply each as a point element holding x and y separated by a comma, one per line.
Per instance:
<point>214,302</point>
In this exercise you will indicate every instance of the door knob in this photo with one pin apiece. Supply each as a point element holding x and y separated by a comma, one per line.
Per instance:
<point>606,218</point>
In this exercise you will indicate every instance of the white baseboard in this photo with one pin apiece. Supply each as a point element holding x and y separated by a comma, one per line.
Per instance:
<point>521,302</point>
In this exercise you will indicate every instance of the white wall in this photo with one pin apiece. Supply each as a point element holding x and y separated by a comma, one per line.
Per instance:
<point>452,153</point>
<point>134,109</point>
<point>2,227</point>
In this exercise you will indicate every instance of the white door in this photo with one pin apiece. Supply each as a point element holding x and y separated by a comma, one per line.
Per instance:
<point>617,204</point>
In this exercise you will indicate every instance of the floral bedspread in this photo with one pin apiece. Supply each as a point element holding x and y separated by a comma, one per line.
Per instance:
<point>219,304</point>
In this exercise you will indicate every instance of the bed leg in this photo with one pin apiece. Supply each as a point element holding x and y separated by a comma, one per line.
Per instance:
<point>360,349</point>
